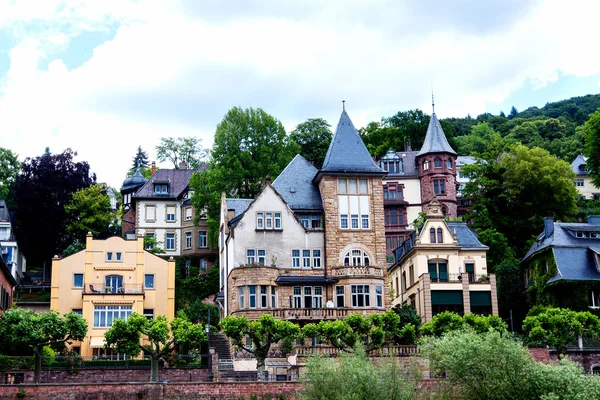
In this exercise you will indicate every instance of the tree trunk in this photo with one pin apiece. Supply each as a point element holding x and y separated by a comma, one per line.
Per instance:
<point>37,369</point>
<point>154,369</point>
<point>261,370</point>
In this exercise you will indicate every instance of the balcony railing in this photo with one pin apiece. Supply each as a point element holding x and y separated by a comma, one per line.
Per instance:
<point>455,278</point>
<point>357,271</point>
<point>385,351</point>
<point>102,288</point>
<point>309,313</point>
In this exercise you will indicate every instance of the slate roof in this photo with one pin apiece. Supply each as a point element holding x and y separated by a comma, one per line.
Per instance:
<point>435,139</point>
<point>178,180</point>
<point>295,185</point>
<point>578,165</point>
<point>409,165</point>
<point>467,238</point>
<point>465,160</point>
<point>238,206</point>
<point>134,181</point>
<point>575,257</point>
<point>347,153</point>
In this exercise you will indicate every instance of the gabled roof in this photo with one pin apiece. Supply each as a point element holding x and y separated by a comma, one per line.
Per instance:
<point>578,165</point>
<point>435,139</point>
<point>347,153</point>
<point>467,238</point>
<point>177,179</point>
<point>295,185</point>
<point>238,206</point>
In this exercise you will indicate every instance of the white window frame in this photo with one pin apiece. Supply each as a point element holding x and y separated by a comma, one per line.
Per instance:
<point>297,294</point>
<point>358,292</point>
<point>188,240</point>
<point>170,237</point>
<point>170,212</point>
<point>188,214</point>
<point>252,296</point>
<point>250,256</point>
<point>202,239</point>
<point>75,286</point>
<point>340,295</point>
<point>105,314</point>
<point>264,296</point>
<point>317,300</point>
<point>379,296</point>
<point>295,258</point>
<point>277,220</point>
<point>305,258</point>
<point>268,220</point>
<point>344,221</point>
<point>261,256</point>
<point>151,286</point>
<point>316,258</point>
<point>241,297</point>
<point>273,297</point>
<point>260,220</point>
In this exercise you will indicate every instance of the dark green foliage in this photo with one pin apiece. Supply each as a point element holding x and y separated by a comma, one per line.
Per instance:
<point>510,294</point>
<point>197,312</point>
<point>45,186</point>
<point>182,149</point>
<point>448,321</point>
<point>140,160</point>
<point>571,107</point>
<point>408,315</point>
<point>73,248</point>
<point>9,171</point>
<point>89,211</point>
<point>191,284</point>
<point>313,136</point>
<point>591,132</point>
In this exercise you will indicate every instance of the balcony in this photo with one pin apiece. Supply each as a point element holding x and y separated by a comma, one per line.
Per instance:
<point>309,313</point>
<point>103,289</point>
<point>358,270</point>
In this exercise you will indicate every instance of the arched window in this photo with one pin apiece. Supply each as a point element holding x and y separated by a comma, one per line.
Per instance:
<point>444,210</point>
<point>356,257</point>
<point>440,236</point>
<point>426,165</point>
<point>432,235</point>
<point>437,162</point>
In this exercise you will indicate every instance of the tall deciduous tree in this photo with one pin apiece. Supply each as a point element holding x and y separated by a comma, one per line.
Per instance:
<point>313,136</point>
<point>140,160</point>
<point>178,150</point>
<point>42,190</point>
<point>159,338</point>
<point>89,211</point>
<point>263,333</point>
<point>9,171</point>
<point>249,145</point>
<point>23,328</point>
<point>591,132</point>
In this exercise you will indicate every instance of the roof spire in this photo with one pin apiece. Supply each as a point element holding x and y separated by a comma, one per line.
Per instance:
<point>432,101</point>
<point>343,105</point>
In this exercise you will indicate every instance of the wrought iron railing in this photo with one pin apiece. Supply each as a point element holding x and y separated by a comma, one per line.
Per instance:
<point>102,288</point>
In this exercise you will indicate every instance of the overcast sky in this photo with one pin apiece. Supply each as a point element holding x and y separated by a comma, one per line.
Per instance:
<point>103,77</point>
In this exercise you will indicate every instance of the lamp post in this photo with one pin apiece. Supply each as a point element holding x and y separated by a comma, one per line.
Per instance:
<point>209,355</point>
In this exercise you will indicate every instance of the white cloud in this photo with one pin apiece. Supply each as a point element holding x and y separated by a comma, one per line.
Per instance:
<point>174,68</point>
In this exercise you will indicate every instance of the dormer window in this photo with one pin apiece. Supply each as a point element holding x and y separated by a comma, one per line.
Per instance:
<point>161,188</point>
<point>437,163</point>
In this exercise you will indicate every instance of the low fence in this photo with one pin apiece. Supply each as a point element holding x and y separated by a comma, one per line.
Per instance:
<point>331,351</point>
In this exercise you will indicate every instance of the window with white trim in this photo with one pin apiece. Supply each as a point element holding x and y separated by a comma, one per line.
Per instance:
<point>268,220</point>
<point>264,296</point>
<point>354,203</point>
<point>356,258</point>
<point>241,296</point>
<point>252,296</point>
<point>170,213</point>
<point>150,243</point>
<point>379,295</point>
<point>316,258</point>
<point>260,220</point>
<point>170,241</point>
<point>149,281</point>
<point>105,315</point>
<point>188,214</point>
<point>78,281</point>
<point>295,258</point>
<point>344,221</point>
<point>297,297</point>
<point>250,256</point>
<point>262,256</point>
<point>161,188</point>
<point>340,297</point>
<point>202,239</point>
<point>317,301</point>
<point>277,217</point>
<point>360,296</point>
<point>306,258</point>
<point>273,297</point>
<point>150,213</point>
<point>188,240</point>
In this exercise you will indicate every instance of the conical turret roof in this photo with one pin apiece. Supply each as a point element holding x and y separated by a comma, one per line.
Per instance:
<point>435,139</point>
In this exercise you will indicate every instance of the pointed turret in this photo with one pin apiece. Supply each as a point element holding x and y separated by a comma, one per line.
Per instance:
<point>435,139</point>
<point>347,153</point>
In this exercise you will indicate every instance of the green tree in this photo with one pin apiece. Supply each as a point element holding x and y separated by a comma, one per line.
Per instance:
<point>355,377</point>
<point>591,134</point>
<point>89,211</point>
<point>263,333</point>
<point>140,160</point>
<point>513,113</point>
<point>313,136</point>
<point>160,339</point>
<point>478,141</point>
<point>249,145</point>
<point>511,298</point>
<point>9,171</point>
<point>448,321</point>
<point>26,329</point>
<point>178,150</point>
<point>558,327</point>
<point>42,190</point>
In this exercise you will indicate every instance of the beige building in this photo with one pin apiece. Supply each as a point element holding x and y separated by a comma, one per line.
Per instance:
<point>111,279</point>
<point>583,180</point>
<point>442,267</point>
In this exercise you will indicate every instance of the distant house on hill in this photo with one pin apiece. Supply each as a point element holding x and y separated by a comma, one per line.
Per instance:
<point>583,180</point>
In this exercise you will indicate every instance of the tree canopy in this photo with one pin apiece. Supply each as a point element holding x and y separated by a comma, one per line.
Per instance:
<point>9,171</point>
<point>313,136</point>
<point>591,132</point>
<point>42,190</point>
<point>183,149</point>
<point>448,321</point>
<point>140,160</point>
<point>27,329</point>
<point>155,336</point>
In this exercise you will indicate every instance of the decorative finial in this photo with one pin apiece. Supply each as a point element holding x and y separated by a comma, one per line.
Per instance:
<point>344,105</point>
<point>432,101</point>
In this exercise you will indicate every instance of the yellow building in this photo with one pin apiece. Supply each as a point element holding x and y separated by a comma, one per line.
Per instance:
<point>111,279</point>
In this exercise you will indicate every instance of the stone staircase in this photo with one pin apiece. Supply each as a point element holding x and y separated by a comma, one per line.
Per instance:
<point>221,344</point>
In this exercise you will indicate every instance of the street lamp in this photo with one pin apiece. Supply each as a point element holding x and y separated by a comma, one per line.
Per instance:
<point>209,355</point>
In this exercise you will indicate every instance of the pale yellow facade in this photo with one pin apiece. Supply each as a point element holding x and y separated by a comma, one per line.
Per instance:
<point>110,279</point>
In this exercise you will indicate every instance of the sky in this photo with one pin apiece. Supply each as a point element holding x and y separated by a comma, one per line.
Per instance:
<point>104,77</point>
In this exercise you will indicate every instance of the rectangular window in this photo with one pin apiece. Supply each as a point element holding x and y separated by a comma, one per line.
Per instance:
<point>149,313</point>
<point>277,220</point>
<point>307,296</point>
<point>296,258</point>
<point>170,213</point>
<point>438,271</point>
<point>109,256</point>
<point>252,291</point>
<point>316,258</point>
<point>78,281</point>
<point>202,264</point>
<point>339,296</point>
<point>188,240</point>
<point>188,214</point>
<point>344,221</point>
<point>580,182</point>
<point>318,297</point>
<point>161,188</point>
<point>297,297</point>
<point>365,221</point>
<point>260,220</point>
<point>170,241</point>
<point>273,297</point>
<point>352,189</point>
<point>264,296</point>
<point>77,311</point>
<point>241,296</point>
<point>379,295</point>
<point>438,186</point>
<point>354,218</point>
<point>118,256</point>
<point>150,213</point>
<point>316,221</point>
<point>149,281</point>
<point>105,315</point>
<point>250,256</point>
<point>363,186</point>
<point>342,187</point>
<point>202,239</point>
<point>360,296</point>
<point>262,256</point>
<point>304,220</point>
<point>268,220</point>
<point>306,258</point>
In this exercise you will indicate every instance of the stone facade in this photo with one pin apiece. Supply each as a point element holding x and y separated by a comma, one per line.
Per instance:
<point>430,174</point>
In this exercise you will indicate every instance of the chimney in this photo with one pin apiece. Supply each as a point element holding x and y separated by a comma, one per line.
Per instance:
<point>268,180</point>
<point>408,146</point>
<point>548,227</point>
<point>593,219</point>
<point>183,165</point>
<point>153,167</point>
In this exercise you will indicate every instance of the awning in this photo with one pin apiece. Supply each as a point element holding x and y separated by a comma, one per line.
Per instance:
<point>308,280</point>
<point>481,299</point>
<point>277,363</point>
<point>446,297</point>
<point>97,342</point>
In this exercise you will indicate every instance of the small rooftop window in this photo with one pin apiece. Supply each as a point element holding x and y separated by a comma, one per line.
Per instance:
<point>161,188</point>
